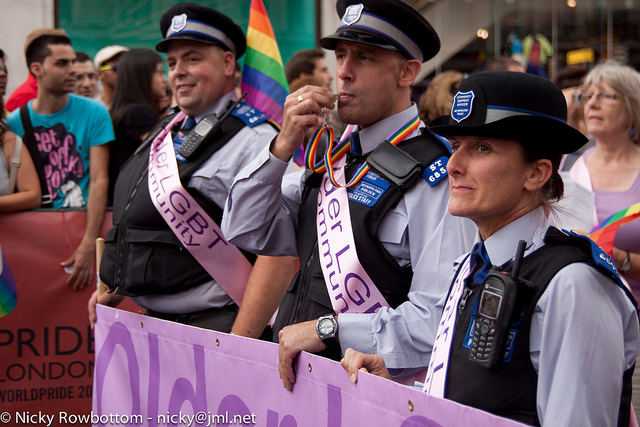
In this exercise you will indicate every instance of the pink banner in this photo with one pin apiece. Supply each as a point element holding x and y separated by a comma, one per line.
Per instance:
<point>156,373</point>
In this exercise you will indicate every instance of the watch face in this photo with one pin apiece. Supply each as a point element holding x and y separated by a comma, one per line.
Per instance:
<point>325,327</point>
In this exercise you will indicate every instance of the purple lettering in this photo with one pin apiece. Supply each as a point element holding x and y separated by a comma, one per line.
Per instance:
<point>340,252</point>
<point>333,287</point>
<point>356,290</point>
<point>346,304</point>
<point>373,308</point>
<point>179,202</point>
<point>197,223</point>
<point>322,225</point>
<point>219,239</point>
<point>334,208</point>
<point>337,224</point>
<point>54,140</point>
<point>327,253</point>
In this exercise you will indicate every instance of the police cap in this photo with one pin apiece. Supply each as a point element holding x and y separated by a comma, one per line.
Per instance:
<point>510,105</point>
<point>389,24</point>
<point>190,21</point>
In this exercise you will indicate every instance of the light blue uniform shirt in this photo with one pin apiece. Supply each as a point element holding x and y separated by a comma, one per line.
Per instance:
<point>584,333</point>
<point>213,179</point>
<point>261,215</point>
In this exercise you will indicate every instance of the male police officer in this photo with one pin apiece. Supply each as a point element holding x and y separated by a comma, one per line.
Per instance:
<point>385,240</point>
<point>165,247</point>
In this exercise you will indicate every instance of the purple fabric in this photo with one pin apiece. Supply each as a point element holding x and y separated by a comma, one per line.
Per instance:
<point>165,373</point>
<point>627,236</point>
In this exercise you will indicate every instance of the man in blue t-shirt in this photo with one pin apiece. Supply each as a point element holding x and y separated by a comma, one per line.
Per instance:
<point>70,135</point>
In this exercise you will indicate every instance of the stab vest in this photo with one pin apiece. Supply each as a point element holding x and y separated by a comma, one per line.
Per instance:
<point>142,255</point>
<point>509,389</point>
<point>307,297</point>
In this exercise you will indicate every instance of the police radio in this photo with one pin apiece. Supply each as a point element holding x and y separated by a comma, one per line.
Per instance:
<point>208,126</point>
<point>496,306</point>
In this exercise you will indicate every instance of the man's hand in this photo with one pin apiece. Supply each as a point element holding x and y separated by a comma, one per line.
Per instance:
<point>109,299</point>
<point>293,340</point>
<point>354,361</point>
<point>82,261</point>
<point>302,112</point>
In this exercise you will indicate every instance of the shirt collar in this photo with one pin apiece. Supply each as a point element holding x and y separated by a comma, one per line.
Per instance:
<point>373,135</point>
<point>531,228</point>
<point>219,107</point>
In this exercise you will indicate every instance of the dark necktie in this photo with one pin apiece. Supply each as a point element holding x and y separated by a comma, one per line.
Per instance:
<point>480,262</point>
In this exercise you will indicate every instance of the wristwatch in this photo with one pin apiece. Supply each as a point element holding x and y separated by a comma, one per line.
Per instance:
<point>626,264</point>
<point>327,329</point>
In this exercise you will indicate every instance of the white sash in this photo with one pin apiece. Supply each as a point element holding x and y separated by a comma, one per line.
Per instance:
<point>350,287</point>
<point>434,383</point>
<point>197,232</point>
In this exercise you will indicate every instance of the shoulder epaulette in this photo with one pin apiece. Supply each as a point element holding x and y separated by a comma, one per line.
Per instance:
<point>250,115</point>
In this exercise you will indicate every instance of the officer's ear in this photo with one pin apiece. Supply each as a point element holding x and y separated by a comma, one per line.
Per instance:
<point>409,71</point>
<point>229,61</point>
<point>539,174</point>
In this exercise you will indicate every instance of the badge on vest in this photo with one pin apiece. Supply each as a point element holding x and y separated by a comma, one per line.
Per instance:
<point>249,115</point>
<point>436,171</point>
<point>369,189</point>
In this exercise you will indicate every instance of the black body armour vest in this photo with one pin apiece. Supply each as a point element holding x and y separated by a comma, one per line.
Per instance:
<point>509,389</point>
<point>307,297</point>
<point>142,255</point>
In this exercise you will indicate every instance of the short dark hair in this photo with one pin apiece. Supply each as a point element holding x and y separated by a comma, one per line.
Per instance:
<point>38,50</point>
<point>83,57</point>
<point>571,76</point>
<point>303,61</point>
<point>2,54</point>
<point>501,64</point>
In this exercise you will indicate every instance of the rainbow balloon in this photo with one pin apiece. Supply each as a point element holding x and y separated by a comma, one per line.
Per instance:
<point>8,295</point>
<point>263,77</point>
<point>604,233</point>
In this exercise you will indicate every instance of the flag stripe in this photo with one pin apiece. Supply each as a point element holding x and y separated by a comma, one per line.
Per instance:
<point>267,88</point>
<point>8,295</point>
<point>265,84</point>
<point>260,22</point>
<point>264,44</point>
<point>266,104</point>
<point>267,66</point>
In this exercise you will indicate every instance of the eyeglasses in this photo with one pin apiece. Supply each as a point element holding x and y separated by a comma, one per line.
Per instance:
<point>601,97</point>
<point>113,68</point>
<point>3,68</point>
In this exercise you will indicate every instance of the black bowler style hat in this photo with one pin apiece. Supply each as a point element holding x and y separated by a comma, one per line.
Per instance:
<point>510,105</point>
<point>190,21</point>
<point>389,24</point>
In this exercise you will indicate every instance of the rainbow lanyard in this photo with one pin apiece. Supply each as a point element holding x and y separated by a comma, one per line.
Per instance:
<point>333,153</point>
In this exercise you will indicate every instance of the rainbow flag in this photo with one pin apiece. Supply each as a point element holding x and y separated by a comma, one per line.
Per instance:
<point>8,295</point>
<point>604,233</point>
<point>263,76</point>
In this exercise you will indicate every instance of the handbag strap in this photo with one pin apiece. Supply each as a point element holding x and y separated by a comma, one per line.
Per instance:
<point>15,164</point>
<point>32,146</point>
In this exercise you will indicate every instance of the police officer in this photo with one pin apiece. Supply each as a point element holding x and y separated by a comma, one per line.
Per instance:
<point>371,256</point>
<point>151,253</point>
<point>570,332</point>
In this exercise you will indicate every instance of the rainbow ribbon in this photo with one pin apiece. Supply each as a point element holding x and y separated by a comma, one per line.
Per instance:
<point>8,294</point>
<point>605,233</point>
<point>263,77</point>
<point>333,153</point>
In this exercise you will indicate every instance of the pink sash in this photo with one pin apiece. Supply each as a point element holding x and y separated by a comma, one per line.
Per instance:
<point>350,287</point>
<point>197,232</point>
<point>434,383</point>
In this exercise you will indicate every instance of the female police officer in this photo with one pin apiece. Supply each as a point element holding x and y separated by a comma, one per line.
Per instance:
<point>553,342</point>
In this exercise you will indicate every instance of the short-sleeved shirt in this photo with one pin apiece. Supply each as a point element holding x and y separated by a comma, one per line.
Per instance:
<point>64,140</point>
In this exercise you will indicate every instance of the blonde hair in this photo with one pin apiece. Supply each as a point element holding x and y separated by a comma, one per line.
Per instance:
<point>626,81</point>
<point>438,98</point>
